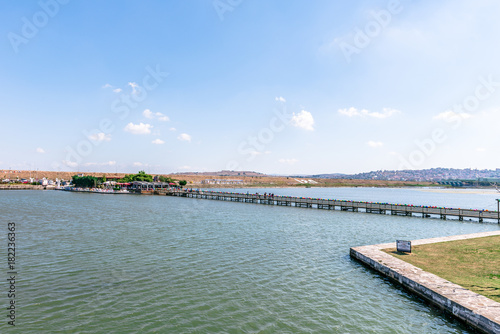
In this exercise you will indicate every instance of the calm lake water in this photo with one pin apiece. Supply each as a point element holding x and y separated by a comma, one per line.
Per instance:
<point>96,263</point>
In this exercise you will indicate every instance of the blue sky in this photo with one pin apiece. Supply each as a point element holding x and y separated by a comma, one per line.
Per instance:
<point>277,87</point>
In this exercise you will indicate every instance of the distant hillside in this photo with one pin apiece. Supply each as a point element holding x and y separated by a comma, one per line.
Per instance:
<point>432,175</point>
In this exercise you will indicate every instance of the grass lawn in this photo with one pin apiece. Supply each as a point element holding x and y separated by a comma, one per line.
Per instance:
<point>472,263</point>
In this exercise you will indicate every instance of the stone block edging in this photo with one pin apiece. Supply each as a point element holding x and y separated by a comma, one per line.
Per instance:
<point>477,311</point>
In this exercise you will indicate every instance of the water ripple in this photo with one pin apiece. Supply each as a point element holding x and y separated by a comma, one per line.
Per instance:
<point>127,264</point>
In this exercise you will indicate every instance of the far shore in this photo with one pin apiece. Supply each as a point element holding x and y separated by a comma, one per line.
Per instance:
<point>229,181</point>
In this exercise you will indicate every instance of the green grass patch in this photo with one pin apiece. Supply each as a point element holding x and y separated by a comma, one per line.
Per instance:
<point>472,263</point>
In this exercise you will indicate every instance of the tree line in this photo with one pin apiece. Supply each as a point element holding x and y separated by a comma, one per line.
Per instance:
<point>92,181</point>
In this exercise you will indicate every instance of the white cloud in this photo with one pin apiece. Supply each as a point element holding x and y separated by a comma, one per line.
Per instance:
<point>138,164</point>
<point>255,153</point>
<point>158,142</point>
<point>115,90</point>
<point>101,136</point>
<point>185,168</point>
<point>138,129</point>
<point>351,112</point>
<point>162,117</point>
<point>280,99</point>
<point>109,163</point>
<point>303,120</point>
<point>69,163</point>
<point>375,144</point>
<point>288,161</point>
<point>134,87</point>
<point>450,116</point>
<point>40,150</point>
<point>173,129</point>
<point>386,112</point>
<point>481,149</point>
<point>184,137</point>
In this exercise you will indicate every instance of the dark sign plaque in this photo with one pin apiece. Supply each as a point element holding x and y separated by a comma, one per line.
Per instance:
<point>403,246</point>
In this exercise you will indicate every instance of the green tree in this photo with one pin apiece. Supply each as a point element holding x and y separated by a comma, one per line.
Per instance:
<point>182,182</point>
<point>141,176</point>
<point>166,179</point>
<point>85,181</point>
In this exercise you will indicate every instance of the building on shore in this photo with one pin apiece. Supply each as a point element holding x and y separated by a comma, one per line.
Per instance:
<point>222,181</point>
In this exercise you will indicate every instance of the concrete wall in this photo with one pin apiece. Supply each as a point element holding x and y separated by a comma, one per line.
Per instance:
<point>24,187</point>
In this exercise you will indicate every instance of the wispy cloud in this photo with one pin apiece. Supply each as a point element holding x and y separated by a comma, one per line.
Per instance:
<point>134,87</point>
<point>255,153</point>
<point>451,116</point>
<point>280,99</point>
<point>158,141</point>
<point>115,90</point>
<point>158,115</point>
<point>303,120</point>
<point>184,137</point>
<point>101,136</point>
<point>69,163</point>
<point>40,150</point>
<point>288,161</point>
<point>354,112</point>
<point>138,129</point>
<point>109,163</point>
<point>162,117</point>
<point>375,144</point>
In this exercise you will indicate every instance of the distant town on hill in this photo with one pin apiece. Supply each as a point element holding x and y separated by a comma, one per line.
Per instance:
<point>429,175</point>
<point>433,174</point>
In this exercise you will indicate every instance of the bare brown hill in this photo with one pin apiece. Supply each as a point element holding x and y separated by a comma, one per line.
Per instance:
<point>217,180</point>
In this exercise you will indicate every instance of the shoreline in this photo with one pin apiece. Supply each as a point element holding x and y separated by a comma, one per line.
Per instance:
<point>25,187</point>
<point>229,180</point>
